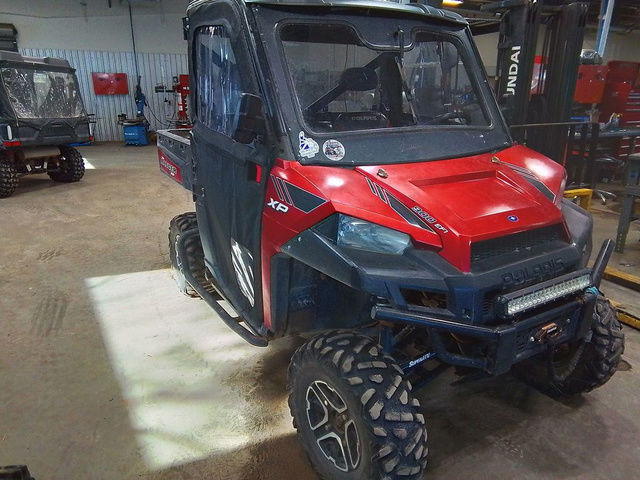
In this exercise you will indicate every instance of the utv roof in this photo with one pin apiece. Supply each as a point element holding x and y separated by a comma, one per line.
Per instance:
<point>45,62</point>
<point>401,6</point>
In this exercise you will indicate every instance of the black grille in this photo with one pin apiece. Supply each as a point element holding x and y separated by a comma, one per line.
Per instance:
<point>518,243</point>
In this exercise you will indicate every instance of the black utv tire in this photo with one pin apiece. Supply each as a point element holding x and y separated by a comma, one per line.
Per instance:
<point>368,406</point>
<point>8,179</point>
<point>195,260</point>
<point>71,166</point>
<point>579,366</point>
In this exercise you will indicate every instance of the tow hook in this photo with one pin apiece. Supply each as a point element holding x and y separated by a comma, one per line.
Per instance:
<point>548,332</point>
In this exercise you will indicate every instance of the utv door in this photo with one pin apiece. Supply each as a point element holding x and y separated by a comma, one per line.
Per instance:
<point>230,176</point>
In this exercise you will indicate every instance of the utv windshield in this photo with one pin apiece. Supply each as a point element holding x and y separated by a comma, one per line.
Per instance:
<point>344,84</point>
<point>42,94</point>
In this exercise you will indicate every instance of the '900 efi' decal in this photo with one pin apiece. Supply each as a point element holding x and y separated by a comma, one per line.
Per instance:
<point>397,206</point>
<point>295,196</point>
<point>428,218</point>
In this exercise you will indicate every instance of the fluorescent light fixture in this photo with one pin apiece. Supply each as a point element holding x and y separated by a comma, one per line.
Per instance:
<point>547,294</point>
<point>451,3</point>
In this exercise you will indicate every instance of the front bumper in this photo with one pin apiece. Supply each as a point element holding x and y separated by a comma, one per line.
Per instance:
<point>470,296</point>
<point>510,343</point>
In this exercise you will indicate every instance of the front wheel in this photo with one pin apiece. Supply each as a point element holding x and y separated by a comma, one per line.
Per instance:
<point>70,166</point>
<point>583,365</point>
<point>354,412</point>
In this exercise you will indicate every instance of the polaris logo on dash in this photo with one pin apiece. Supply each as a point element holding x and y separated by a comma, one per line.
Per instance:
<point>512,218</point>
<point>533,273</point>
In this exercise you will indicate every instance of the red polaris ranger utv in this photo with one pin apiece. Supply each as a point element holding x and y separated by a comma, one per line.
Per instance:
<point>352,175</point>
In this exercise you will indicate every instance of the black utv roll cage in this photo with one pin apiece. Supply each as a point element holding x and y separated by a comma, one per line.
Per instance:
<point>52,114</point>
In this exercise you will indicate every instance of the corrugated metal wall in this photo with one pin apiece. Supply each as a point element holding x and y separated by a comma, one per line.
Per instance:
<point>154,69</point>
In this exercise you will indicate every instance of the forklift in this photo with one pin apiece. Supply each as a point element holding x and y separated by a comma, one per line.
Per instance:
<point>535,92</point>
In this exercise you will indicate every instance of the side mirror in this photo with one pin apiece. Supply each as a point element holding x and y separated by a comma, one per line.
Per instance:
<point>249,119</point>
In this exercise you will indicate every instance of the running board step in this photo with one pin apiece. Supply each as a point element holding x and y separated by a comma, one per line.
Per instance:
<point>231,322</point>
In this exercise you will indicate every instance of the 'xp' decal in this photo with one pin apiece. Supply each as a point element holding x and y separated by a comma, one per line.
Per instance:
<point>290,194</point>
<point>277,206</point>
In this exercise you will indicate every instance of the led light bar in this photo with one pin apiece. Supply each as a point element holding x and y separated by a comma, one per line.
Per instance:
<point>527,301</point>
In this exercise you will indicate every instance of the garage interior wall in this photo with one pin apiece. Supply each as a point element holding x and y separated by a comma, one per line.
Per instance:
<point>96,38</point>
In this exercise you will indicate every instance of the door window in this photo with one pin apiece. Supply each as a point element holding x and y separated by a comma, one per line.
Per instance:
<point>219,84</point>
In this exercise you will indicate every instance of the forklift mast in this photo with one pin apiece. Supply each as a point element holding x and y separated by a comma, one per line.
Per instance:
<point>561,25</point>
<point>516,53</point>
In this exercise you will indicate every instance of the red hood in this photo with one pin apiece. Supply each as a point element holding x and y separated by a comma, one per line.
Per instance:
<point>462,200</point>
<point>476,198</point>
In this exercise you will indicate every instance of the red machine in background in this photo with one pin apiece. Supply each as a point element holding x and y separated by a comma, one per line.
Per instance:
<point>180,88</point>
<point>622,93</point>
<point>591,83</point>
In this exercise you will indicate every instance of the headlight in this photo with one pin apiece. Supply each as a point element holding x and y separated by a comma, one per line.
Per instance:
<point>356,233</point>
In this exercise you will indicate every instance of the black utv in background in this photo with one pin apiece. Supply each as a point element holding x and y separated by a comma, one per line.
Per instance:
<point>41,113</point>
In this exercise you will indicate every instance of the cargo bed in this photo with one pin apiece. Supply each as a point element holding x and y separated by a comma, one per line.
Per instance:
<point>174,156</point>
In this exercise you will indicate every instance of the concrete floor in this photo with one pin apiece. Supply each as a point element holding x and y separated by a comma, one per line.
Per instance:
<point>106,372</point>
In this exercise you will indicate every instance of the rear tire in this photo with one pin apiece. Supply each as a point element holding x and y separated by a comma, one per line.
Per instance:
<point>579,366</point>
<point>70,166</point>
<point>195,260</point>
<point>354,412</point>
<point>8,179</point>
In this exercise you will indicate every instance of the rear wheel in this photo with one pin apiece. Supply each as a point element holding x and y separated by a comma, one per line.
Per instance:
<point>70,166</point>
<point>580,366</point>
<point>354,412</point>
<point>8,179</point>
<point>195,255</point>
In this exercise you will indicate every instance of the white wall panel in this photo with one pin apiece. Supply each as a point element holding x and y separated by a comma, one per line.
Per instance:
<point>92,25</point>
<point>154,68</point>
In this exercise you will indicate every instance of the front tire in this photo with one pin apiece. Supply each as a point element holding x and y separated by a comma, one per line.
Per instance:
<point>8,179</point>
<point>70,166</point>
<point>354,412</point>
<point>581,366</point>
